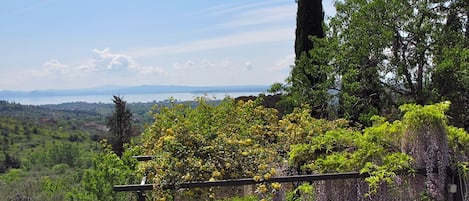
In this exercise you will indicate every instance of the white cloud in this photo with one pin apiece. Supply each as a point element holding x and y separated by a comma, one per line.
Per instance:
<point>284,63</point>
<point>198,65</point>
<point>206,63</point>
<point>184,65</point>
<point>249,65</point>
<point>54,66</point>
<point>106,60</point>
<point>102,61</point>
<point>188,64</point>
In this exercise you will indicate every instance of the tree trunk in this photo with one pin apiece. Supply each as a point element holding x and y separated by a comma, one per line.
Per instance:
<point>309,20</point>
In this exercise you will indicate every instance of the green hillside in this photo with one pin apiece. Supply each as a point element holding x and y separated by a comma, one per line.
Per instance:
<point>56,152</point>
<point>45,151</point>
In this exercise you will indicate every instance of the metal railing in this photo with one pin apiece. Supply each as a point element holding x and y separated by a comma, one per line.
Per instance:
<point>143,186</point>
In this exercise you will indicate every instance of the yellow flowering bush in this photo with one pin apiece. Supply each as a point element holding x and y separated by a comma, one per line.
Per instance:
<point>210,142</point>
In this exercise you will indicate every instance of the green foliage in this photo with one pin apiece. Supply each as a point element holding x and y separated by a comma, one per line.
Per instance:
<point>51,166</point>
<point>276,88</point>
<point>246,198</point>
<point>9,162</point>
<point>63,153</point>
<point>60,168</point>
<point>378,54</point>
<point>108,170</point>
<point>429,114</point>
<point>12,175</point>
<point>227,141</point>
<point>451,82</point>
<point>374,150</point>
<point>305,192</point>
<point>386,172</point>
<point>242,139</point>
<point>458,143</point>
<point>120,125</point>
<point>312,78</point>
<point>458,140</point>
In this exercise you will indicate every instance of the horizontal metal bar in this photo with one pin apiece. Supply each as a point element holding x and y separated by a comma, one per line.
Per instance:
<point>133,187</point>
<point>246,181</point>
<point>251,181</point>
<point>143,158</point>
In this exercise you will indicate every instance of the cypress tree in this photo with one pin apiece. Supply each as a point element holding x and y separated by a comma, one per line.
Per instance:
<point>120,125</point>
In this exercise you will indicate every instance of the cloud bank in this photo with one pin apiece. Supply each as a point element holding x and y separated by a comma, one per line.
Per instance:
<point>102,61</point>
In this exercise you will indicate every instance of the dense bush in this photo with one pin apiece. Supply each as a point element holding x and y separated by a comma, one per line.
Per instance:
<point>227,141</point>
<point>244,139</point>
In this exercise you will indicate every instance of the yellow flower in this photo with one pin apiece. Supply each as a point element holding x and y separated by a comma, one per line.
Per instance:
<point>216,174</point>
<point>262,166</point>
<point>187,177</point>
<point>273,171</point>
<point>211,195</point>
<point>170,131</point>
<point>276,185</point>
<point>267,176</point>
<point>262,188</point>
<point>168,138</point>
<point>257,178</point>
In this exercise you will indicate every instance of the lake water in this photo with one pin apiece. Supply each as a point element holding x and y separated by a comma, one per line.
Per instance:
<point>130,98</point>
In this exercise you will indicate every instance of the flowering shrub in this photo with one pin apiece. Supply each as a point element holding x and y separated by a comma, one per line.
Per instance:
<point>243,139</point>
<point>228,141</point>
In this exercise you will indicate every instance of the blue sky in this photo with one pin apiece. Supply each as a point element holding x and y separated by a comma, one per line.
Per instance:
<point>65,44</point>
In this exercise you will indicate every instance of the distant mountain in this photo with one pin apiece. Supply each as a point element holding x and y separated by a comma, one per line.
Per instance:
<point>143,89</point>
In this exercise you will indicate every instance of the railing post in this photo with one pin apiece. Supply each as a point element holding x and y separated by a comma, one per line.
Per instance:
<point>141,194</point>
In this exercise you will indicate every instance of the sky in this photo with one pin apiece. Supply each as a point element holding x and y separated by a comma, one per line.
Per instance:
<point>65,44</point>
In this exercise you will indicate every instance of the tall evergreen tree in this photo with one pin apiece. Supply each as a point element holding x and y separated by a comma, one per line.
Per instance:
<point>309,21</point>
<point>309,77</point>
<point>120,125</point>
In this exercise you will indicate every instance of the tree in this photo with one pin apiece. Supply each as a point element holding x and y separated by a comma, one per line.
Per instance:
<point>120,125</point>
<point>407,43</point>
<point>10,162</point>
<point>309,21</point>
<point>378,54</point>
<point>358,59</point>
<point>309,81</point>
<point>451,74</point>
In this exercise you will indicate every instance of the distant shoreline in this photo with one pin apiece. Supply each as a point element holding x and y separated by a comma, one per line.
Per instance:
<point>130,98</point>
<point>143,89</point>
